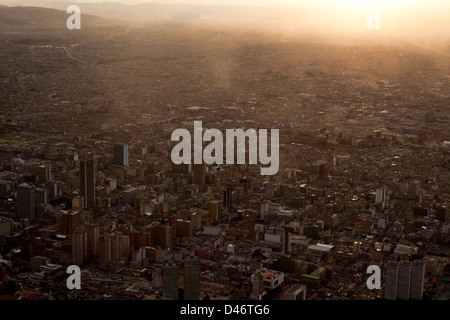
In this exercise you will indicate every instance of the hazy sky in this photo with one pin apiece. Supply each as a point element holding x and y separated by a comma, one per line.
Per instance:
<point>343,3</point>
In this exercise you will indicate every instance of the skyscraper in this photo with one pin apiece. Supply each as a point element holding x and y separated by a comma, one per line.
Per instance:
<point>228,199</point>
<point>26,205</point>
<point>417,280</point>
<point>191,279</point>
<point>214,210</point>
<point>93,239</point>
<point>117,246</point>
<point>87,182</point>
<point>404,280</point>
<point>121,155</point>
<point>258,285</point>
<point>70,222</point>
<point>105,250</point>
<point>287,240</point>
<point>380,196</point>
<point>390,291</point>
<point>170,281</point>
<point>126,246</point>
<point>79,247</point>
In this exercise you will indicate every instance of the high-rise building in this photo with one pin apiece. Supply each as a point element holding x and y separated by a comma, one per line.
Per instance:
<point>126,246</point>
<point>164,236</point>
<point>196,221</point>
<point>93,239</point>
<point>191,279</point>
<point>52,190</point>
<point>417,280</point>
<point>70,222</point>
<point>214,210</point>
<point>105,250</point>
<point>199,174</point>
<point>257,286</point>
<point>390,291</point>
<point>413,189</point>
<point>380,196</point>
<point>45,173</point>
<point>404,280</point>
<point>40,196</point>
<point>79,247</point>
<point>87,182</point>
<point>183,228</point>
<point>26,206</point>
<point>121,155</point>
<point>287,241</point>
<point>170,281</point>
<point>117,246</point>
<point>228,199</point>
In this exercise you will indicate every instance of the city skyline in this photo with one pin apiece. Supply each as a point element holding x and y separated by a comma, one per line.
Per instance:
<point>109,166</point>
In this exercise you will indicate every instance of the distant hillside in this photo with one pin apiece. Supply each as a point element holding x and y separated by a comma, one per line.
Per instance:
<point>44,18</point>
<point>427,21</point>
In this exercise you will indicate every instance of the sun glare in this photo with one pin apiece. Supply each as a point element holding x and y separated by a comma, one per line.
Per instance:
<point>382,4</point>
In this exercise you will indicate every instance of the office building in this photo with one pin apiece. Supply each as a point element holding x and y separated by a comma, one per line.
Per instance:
<point>196,221</point>
<point>93,239</point>
<point>105,250</point>
<point>121,155</point>
<point>126,246</point>
<point>40,196</point>
<point>191,279</point>
<point>404,280</point>
<point>214,210</point>
<point>44,173</point>
<point>257,286</point>
<point>170,282</point>
<point>287,241</point>
<point>26,205</point>
<point>228,199</point>
<point>117,246</point>
<point>52,190</point>
<point>417,280</point>
<point>79,247</point>
<point>87,182</point>
<point>183,228</point>
<point>390,291</point>
<point>164,236</point>
<point>380,196</point>
<point>69,222</point>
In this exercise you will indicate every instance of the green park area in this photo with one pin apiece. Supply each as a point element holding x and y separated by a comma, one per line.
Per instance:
<point>11,138</point>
